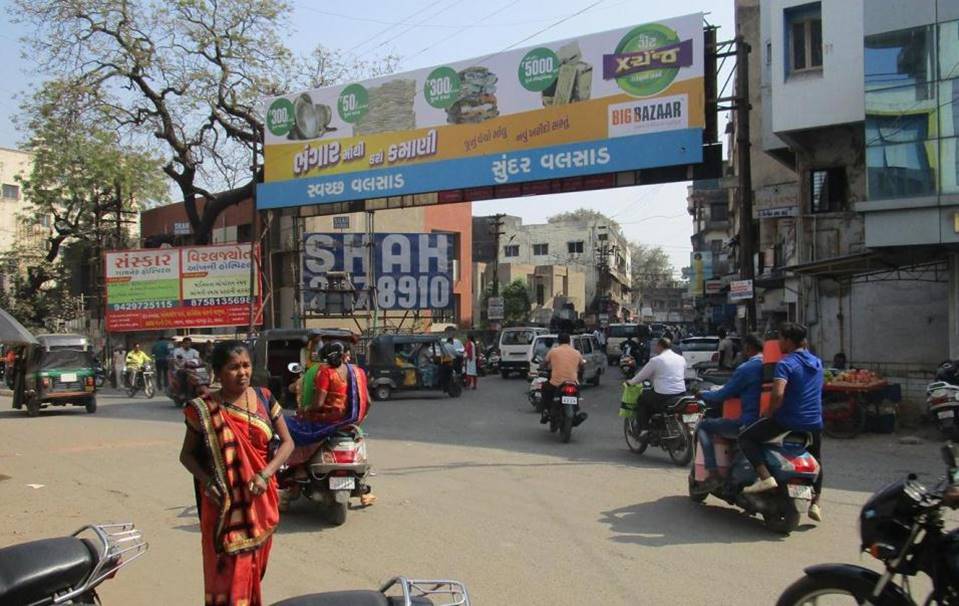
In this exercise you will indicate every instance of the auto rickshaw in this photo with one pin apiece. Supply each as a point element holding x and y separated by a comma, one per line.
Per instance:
<point>275,349</point>
<point>412,363</point>
<point>59,370</point>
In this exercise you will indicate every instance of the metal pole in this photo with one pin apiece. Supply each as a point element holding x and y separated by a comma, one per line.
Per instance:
<point>254,241</point>
<point>371,297</point>
<point>747,245</point>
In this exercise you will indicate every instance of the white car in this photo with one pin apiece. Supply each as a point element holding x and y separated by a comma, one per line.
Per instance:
<point>699,349</point>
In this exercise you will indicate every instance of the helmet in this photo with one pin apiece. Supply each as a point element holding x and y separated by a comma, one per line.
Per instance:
<point>332,353</point>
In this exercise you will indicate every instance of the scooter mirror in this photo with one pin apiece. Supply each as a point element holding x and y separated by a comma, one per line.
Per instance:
<point>295,368</point>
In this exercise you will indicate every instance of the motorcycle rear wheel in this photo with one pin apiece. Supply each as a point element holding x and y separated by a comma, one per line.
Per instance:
<point>567,429</point>
<point>631,432</point>
<point>809,590</point>
<point>336,513</point>
<point>782,520</point>
<point>681,449</point>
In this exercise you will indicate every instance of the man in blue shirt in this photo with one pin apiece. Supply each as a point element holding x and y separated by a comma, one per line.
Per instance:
<point>746,384</point>
<point>795,405</point>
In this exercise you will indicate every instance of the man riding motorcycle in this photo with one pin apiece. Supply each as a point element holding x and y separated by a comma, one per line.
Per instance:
<point>181,355</point>
<point>795,405</point>
<point>564,364</point>
<point>746,384</point>
<point>667,372</point>
<point>136,358</point>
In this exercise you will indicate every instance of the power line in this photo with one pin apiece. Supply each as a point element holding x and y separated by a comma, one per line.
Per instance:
<point>462,29</point>
<point>405,21</point>
<point>552,25</point>
<point>411,27</point>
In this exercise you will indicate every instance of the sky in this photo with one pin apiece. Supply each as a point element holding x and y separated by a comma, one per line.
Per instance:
<point>431,32</point>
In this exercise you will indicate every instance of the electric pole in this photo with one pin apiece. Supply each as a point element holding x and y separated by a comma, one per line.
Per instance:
<point>497,228</point>
<point>746,243</point>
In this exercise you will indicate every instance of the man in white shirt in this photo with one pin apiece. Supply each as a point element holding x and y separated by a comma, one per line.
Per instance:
<point>180,355</point>
<point>667,372</point>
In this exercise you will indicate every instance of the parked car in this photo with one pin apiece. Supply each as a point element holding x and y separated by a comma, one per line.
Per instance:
<point>515,345</point>
<point>584,344</point>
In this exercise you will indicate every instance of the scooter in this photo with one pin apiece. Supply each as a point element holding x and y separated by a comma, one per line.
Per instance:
<point>67,570</point>
<point>673,429</point>
<point>336,472</point>
<point>789,461</point>
<point>942,402</point>
<point>627,365</point>
<point>406,592</point>
<point>197,383</point>
<point>535,393</point>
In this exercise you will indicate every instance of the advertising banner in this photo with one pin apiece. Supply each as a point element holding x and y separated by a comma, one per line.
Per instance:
<point>701,268</point>
<point>741,290</point>
<point>171,288</point>
<point>621,100</point>
<point>410,271</point>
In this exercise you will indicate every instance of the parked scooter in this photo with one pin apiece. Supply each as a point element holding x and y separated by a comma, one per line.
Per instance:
<point>627,365</point>
<point>789,461</point>
<point>197,383</point>
<point>67,570</point>
<point>942,405</point>
<point>535,393</point>
<point>563,413</point>
<point>336,472</point>
<point>399,591</point>
<point>143,379</point>
<point>673,429</point>
<point>901,525</point>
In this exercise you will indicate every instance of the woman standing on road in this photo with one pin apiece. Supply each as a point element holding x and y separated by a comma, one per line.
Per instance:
<point>470,354</point>
<point>226,449</point>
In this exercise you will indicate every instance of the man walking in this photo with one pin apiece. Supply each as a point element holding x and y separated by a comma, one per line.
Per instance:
<point>161,357</point>
<point>795,405</point>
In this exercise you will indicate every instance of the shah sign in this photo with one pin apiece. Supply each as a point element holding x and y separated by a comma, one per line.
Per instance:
<point>411,271</point>
<point>170,288</point>
<point>626,99</point>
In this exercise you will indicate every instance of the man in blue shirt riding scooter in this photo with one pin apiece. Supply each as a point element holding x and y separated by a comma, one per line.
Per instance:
<point>794,405</point>
<point>746,384</point>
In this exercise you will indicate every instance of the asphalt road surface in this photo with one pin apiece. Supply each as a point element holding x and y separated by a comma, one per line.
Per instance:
<point>473,489</point>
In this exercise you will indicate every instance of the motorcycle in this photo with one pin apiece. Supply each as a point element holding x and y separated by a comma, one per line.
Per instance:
<point>901,525</point>
<point>627,365</point>
<point>563,413</point>
<point>942,405</point>
<point>411,593</point>
<point>673,429</point>
<point>67,570</point>
<point>100,374</point>
<point>197,383</point>
<point>787,458</point>
<point>535,393</point>
<point>336,472</point>
<point>143,378</point>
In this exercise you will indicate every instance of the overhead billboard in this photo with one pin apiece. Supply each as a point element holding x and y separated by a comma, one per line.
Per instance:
<point>626,99</point>
<point>410,271</point>
<point>172,288</point>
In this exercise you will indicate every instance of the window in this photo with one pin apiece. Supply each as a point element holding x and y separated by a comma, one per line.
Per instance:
<point>574,247</point>
<point>540,249</point>
<point>244,233</point>
<point>719,212</point>
<point>827,188</point>
<point>511,251</point>
<point>804,30</point>
<point>898,171</point>
<point>11,192</point>
<point>903,57</point>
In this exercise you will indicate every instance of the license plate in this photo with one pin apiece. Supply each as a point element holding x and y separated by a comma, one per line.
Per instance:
<point>691,418</point>
<point>342,483</point>
<point>800,491</point>
<point>570,400</point>
<point>947,414</point>
<point>68,377</point>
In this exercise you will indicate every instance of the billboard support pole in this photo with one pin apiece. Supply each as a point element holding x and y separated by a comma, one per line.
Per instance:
<point>254,240</point>
<point>371,299</point>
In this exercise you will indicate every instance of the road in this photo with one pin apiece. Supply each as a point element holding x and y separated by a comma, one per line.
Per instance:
<point>472,488</point>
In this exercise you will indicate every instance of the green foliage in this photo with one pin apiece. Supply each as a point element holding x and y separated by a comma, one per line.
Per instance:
<point>650,266</point>
<point>587,216</point>
<point>516,302</point>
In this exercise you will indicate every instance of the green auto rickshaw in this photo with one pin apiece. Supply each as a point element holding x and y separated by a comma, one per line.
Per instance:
<point>412,363</point>
<point>59,370</point>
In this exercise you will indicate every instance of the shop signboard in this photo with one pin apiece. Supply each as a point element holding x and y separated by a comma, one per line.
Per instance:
<point>622,100</point>
<point>495,308</point>
<point>740,290</point>
<point>410,271</point>
<point>173,288</point>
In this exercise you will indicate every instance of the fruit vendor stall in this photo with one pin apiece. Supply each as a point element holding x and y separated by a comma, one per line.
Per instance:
<point>853,398</point>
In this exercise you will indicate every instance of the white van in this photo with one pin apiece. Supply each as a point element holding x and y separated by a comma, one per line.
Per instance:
<point>515,345</point>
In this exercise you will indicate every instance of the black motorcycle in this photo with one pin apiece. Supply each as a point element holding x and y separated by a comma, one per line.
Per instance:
<point>673,428</point>
<point>902,527</point>
<point>563,413</point>
<point>144,378</point>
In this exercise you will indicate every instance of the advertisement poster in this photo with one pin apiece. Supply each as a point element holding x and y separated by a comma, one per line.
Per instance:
<point>171,288</point>
<point>740,290</point>
<point>411,271</point>
<point>700,268</point>
<point>621,100</point>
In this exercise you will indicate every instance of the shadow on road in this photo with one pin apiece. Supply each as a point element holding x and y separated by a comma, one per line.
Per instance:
<point>654,524</point>
<point>305,516</point>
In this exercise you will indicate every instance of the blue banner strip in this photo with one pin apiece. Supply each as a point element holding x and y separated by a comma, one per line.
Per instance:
<point>574,160</point>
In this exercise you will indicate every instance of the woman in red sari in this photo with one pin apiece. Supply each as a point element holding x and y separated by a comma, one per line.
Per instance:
<point>226,448</point>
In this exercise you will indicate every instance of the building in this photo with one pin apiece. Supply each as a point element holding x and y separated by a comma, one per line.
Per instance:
<point>711,269</point>
<point>667,303</point>
<point>169,224</point>
<point>16,165</point>
<point>550,287</point>
<point>596,250</point>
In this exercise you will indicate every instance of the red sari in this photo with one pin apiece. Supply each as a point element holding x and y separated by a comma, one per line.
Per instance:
<point>236,535</point>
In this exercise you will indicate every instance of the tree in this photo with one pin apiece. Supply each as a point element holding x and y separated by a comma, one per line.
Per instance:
<point>650,266</point>
<point>188,74</point>
<point>516,303</point>
<point>587,216</point>
<point>80,176</point>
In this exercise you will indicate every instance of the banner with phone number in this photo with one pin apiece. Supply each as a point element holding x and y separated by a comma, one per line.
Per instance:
<point>187,287</point>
